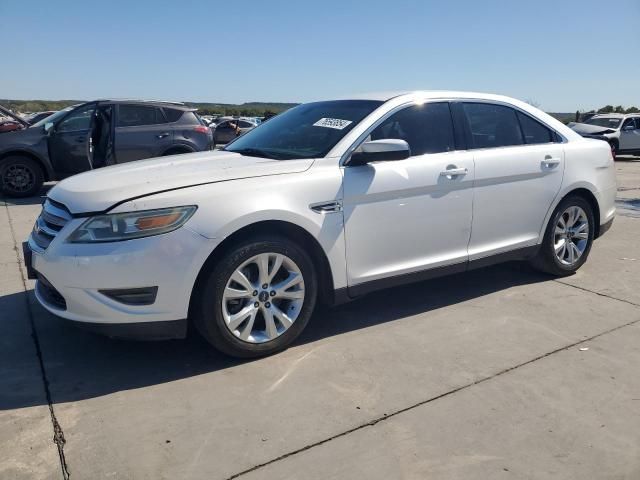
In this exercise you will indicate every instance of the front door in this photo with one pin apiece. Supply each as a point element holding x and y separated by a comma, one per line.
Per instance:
<point>519,167</point>
<point>405,216</point>
<point>141,132</point>
<point>630,134</point>
<point>70,148</point>
<point>225,132</point>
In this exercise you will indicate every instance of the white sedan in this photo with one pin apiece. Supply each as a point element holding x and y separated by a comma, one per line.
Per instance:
<point>323,203</point>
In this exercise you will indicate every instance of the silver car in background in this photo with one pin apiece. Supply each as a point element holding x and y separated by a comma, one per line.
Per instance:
<point>228,130</point>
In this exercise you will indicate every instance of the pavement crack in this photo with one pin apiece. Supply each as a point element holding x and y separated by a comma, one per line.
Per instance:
<point>58,433</point>
<point>598,293</point>
<point>385,416</point>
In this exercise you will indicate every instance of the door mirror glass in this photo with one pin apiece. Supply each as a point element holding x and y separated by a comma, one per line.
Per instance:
<point>380,151</point>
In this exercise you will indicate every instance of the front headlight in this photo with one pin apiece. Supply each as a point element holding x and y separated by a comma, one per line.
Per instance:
<point>126,226</point>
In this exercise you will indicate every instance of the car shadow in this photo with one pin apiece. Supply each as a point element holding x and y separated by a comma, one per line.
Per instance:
<point>80,365</point>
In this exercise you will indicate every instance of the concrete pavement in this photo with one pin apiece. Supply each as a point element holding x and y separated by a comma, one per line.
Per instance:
<point>479,375</point>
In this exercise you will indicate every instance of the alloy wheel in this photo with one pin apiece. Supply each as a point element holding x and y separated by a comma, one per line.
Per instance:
<point>263,297</point>
<point>571,235</point>
<point>18,178</point>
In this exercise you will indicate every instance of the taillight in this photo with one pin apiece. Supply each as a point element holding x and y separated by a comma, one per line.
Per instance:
<point>201,129</point>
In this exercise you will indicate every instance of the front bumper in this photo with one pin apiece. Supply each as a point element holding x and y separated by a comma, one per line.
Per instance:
<point>72,279</point>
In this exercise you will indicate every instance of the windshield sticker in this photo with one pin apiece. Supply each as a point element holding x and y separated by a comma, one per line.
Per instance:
<point>332,123</point>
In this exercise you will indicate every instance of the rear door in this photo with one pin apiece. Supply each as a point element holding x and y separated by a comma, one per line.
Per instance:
<point>70,141</point>
<point>519,164</point>
<point>141,132</point>
<point>225,132</point>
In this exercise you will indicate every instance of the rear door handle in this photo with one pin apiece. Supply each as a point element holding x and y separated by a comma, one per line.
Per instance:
<point>550,162</point>
<point>163,134</point>
<point>453,172</point>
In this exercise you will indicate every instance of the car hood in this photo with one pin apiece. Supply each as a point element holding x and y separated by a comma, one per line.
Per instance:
<point>7,113</point>
<point>587,129</point>
<point>99,190</point>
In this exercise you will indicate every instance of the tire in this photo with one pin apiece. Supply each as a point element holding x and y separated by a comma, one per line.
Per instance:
<point>614,149</point>
<point>571,209</point>
<point>215,314</point>
<point>20,176</point>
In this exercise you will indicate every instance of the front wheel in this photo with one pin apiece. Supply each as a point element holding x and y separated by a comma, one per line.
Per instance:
<point>258,298</point>
<point>568,238</point>
<point>20,176</point>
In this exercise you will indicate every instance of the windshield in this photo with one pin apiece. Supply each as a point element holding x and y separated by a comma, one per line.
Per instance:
<point>306,131</point>
<point>52,117</point>
<point>607,122</point>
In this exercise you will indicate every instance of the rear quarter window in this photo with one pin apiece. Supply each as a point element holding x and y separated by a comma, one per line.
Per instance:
<point>534,132</point>
<point>189,118</point>
<point>172,114</point>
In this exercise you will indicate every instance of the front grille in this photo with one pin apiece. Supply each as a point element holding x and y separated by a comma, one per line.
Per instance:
<point>52,219</point>
<point>49,294</point>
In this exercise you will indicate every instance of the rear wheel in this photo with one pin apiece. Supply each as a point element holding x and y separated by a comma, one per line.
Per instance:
<point>568,238</point>
<point>20,176</point>
<point>258,298</point>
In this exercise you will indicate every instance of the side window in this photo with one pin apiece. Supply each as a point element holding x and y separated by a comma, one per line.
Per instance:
<point>534,132</point>
<point>243,124</point>
<point>630,121</point>
<point>426,128</point>
<point>137,115</point>
<point>189,118</point>
<point>491,125</point>
<point>223,126</point>
<point>173,115</point>
<point>77,120</point>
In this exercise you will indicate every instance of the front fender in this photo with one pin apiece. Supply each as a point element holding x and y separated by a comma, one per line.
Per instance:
<point>227,207</point>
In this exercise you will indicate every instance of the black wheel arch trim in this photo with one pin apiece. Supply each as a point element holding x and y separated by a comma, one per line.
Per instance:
<point>47,168</point>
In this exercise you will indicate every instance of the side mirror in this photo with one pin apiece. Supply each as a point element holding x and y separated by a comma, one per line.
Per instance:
<point>628,128</point>
<point>48,126</point>
<point>380,151</point>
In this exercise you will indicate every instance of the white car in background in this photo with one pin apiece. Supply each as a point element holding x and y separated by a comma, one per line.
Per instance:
<point>325,202</point>
<point>622,131</point>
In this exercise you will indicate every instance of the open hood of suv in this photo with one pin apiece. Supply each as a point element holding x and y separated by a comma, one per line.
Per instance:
<point>98,190</point>
<point>8,113</point>
<point>588,129</point>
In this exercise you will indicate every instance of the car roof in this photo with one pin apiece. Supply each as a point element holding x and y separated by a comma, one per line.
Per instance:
<point>427,95</point>
<point>155,103</point>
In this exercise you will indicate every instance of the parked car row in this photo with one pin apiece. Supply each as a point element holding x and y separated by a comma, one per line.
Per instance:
<point>93,135</point>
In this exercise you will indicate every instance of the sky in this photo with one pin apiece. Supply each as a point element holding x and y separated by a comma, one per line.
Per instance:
<point>562,55</point>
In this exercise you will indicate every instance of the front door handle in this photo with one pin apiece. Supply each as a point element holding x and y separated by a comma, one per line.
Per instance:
<point>550,162</point>
<point>453,172</point>
<point>163,135</point>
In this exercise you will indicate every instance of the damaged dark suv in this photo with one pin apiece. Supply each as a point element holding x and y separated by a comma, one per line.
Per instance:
<point>93,135</point>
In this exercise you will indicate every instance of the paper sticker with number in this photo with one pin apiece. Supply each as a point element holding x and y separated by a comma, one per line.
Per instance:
<point>336,123</point>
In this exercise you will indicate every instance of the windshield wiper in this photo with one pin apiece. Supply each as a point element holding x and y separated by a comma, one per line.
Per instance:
<point>255,152</point>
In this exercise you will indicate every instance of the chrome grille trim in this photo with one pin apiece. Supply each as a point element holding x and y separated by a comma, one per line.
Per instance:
<point>52,219</point>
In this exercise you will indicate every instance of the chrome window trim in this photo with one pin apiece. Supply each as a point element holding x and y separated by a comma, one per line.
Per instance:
<point>518,109</point>
<point>345,156</point>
